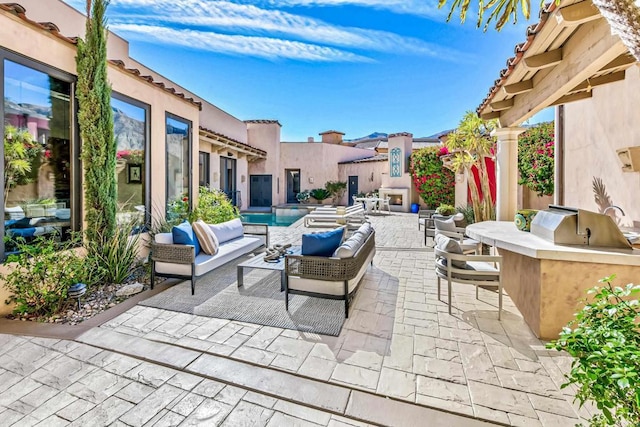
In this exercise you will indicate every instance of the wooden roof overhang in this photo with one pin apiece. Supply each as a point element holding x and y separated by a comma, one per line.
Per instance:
<point>223,143</point>
<point>568,53</point>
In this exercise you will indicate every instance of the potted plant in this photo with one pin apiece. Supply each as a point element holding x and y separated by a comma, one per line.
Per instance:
<point>320,194</point>
<point>303,197</point>
<point>445,210</point>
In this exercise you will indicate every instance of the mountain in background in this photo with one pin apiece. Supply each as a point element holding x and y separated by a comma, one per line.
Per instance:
<point>129,132</point>
<point>374,135</point>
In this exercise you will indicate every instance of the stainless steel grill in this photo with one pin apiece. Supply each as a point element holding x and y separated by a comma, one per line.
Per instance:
<point>571,226</point>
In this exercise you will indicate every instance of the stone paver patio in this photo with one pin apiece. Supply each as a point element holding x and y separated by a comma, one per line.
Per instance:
<point>155,367</point>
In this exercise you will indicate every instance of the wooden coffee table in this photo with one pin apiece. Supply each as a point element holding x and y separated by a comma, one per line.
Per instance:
<point>259,262</point>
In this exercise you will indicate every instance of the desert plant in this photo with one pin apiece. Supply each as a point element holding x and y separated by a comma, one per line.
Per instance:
<point>43,272</point>
<point>535,158</point>
<point>434,182</point>
<point>445,209</point>
<point>469,145</point>
<point>336,189</point>
<point>467,213</point>
<point>604,340</point>
<point>320,194</point>
<point>213,207</point>
<point>116,257</point>
<point>95,119</point>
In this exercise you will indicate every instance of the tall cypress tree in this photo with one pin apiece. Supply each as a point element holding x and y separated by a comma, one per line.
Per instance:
<point>95,118</point>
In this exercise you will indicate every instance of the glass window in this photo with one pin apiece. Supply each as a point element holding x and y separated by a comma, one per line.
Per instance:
<point>37,155</point>
<point>178,171</point>
<point>204,164</point>
<point>130,128</point>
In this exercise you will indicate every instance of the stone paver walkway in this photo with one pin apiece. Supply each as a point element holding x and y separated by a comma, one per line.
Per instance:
<point>399,342</point>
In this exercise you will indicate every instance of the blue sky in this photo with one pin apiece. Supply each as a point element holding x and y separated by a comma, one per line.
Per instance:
<point>356,66</point>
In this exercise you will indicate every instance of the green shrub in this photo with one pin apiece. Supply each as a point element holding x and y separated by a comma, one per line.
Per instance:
<point>116,258</point>
<point>214,207</point>
<point>604,340</point>
<point>320,194</point>
<point>303,196</point>
<point>42,275</point>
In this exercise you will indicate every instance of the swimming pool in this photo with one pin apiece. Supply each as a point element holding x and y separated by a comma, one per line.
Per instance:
<point>270,219</point>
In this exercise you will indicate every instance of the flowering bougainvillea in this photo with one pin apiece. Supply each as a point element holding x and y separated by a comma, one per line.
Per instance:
<point>535,158</point>
<point>434,182</point>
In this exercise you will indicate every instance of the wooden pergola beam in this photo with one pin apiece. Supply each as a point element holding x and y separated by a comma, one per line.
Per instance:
<point>544,60</point>
<point>621,61</point>
<point>590,48</point>
<point>598,81</point>
<point>490,116</point>
<point>502,105</point>
<point>573,97</point>
<point>517,88</point>
<point>577,13</point>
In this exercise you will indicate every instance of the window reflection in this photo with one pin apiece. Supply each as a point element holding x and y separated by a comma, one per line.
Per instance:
<point>177,162</point>
<point>129,123</point>
<point>37,155</point>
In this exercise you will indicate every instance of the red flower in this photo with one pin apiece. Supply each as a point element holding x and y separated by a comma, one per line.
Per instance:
<point>185,199</point>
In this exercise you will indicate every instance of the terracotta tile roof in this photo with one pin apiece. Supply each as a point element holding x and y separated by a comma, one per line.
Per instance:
<point>331,131</point>
<point>377,158</point>
<point>233,142</point>
<point>19,11</point>
<point>264,121</point>
<point>401,134</point>
<point>134,71</point>
<point>520,49</point>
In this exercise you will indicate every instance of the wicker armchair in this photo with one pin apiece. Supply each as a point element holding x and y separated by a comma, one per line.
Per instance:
<point>328,277</point>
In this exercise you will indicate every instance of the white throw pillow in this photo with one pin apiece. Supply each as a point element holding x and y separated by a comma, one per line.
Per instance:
<point>445,225</point>
<point>350,246</point>
<point>228,230</point>
<point>451,246</point>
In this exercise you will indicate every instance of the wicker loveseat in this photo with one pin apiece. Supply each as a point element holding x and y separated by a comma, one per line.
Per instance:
<point>330,277</point>
<point>181,262</point>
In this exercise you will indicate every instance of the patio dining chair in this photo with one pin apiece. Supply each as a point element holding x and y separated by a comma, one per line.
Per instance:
<point>385,204</point>
<point>448,228</point>
<point>454,266</point>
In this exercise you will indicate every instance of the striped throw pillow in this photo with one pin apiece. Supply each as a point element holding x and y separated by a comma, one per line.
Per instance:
<point>208,240</point>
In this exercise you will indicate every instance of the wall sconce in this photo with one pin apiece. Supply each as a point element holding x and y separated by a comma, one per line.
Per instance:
<point>215,176</point>
<point>310,180</point>
<point>243,178</point>
<point>371,177</point>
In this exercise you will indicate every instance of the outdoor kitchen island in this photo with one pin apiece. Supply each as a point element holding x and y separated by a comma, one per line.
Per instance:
<point>547,280</point>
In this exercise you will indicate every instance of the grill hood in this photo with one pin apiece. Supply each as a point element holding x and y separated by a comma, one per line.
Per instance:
<point>570,226</point>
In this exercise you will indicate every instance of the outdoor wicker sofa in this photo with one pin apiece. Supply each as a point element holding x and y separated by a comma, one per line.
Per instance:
<point>329,277</point>
<point>179,261</point>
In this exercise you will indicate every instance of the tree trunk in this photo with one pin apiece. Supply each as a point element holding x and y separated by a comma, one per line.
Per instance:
<point>487,202</point>
<point>624,18</point>
<point>475,197</point>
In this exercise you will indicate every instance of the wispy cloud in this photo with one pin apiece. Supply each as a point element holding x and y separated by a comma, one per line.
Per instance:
<point>239,27</point>
<point>424,8</point>
<point>263,47</point>
<point>224,14</point>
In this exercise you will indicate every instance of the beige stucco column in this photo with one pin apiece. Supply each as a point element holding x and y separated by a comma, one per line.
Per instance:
<point>507,172</point>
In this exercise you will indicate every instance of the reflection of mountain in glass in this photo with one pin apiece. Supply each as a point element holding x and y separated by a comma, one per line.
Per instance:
<point>129,132</point>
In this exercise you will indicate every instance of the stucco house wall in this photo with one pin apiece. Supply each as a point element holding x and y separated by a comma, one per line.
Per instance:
<point>265,136</point>
<point>317,161</point>
<point>594,130</point>
<point>369,174</point>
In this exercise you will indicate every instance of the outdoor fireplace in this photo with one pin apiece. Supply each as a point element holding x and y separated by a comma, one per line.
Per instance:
<point>395,199</point>
<point>398,198</point>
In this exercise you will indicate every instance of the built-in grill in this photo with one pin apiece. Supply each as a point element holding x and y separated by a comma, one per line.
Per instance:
<point>571,226</point>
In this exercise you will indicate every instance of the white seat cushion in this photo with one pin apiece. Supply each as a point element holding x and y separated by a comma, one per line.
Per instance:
<point>227,251</point>
<point>471,268</point>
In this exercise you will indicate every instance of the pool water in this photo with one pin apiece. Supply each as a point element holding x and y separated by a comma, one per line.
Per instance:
<point>270,219</point>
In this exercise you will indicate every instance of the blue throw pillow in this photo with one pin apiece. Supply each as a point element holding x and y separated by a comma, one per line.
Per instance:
<point>183,235</point>
<point>322,244</point>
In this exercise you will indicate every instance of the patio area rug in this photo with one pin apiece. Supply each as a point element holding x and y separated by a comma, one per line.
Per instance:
<point>258,301</point>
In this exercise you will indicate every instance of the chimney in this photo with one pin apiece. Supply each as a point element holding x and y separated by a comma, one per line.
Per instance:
<point>310,139</point>
<point>332,137</point>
